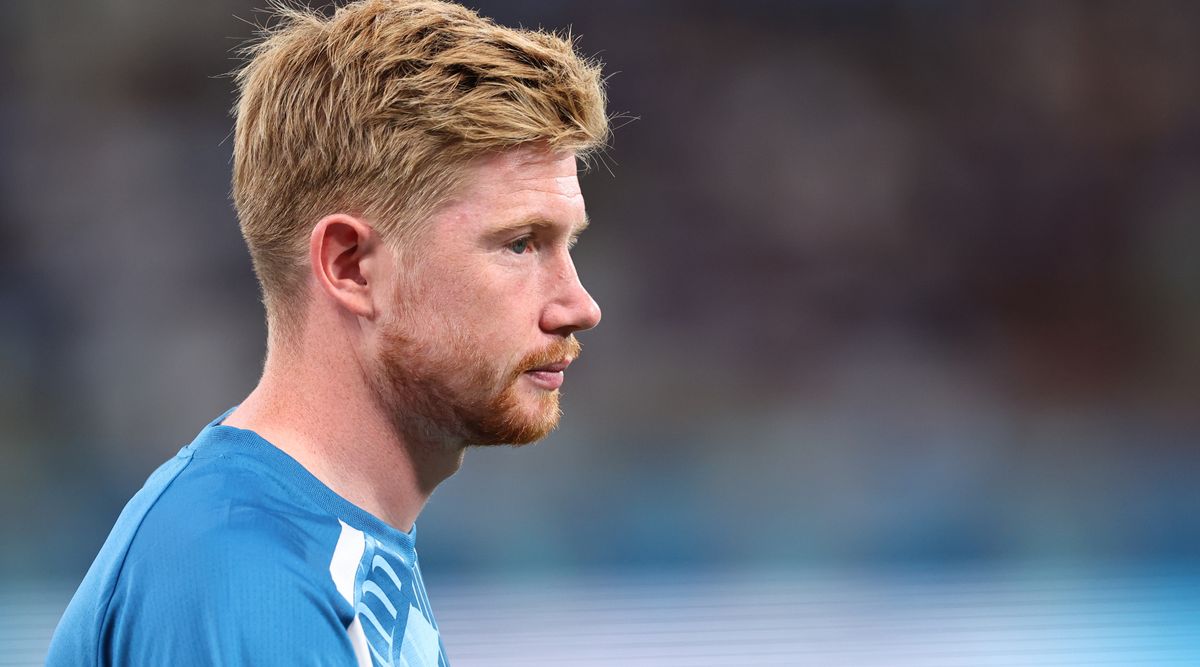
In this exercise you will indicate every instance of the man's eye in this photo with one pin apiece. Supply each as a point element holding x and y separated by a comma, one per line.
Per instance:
<point>519,246</point>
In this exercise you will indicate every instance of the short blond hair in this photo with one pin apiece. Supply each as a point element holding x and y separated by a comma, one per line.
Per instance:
<point>376,110</point>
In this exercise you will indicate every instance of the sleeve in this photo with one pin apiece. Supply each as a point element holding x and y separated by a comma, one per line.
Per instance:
<point>244,596</point>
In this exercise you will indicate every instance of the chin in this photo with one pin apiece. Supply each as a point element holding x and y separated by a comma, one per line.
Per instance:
<point>522,420</point>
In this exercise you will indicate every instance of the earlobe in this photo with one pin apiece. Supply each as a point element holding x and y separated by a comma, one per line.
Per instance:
<point>343,252</point>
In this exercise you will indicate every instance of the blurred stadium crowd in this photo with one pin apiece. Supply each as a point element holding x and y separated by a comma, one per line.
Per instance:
<point>883,283</point>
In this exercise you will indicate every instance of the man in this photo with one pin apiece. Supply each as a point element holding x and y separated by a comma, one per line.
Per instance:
<point>405,179</point>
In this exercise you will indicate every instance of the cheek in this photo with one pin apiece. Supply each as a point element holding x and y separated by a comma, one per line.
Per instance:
<point>509,297</point>
<point>495,306</point>
<point>466,320</point>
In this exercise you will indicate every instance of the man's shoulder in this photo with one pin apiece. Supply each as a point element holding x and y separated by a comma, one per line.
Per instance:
<point>227,523</point>
<point>230,581</point>
<point>231,505</point>
<point>212,549</point>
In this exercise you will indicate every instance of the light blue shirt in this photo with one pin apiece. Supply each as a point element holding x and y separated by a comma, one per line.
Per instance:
<point>234,554</point>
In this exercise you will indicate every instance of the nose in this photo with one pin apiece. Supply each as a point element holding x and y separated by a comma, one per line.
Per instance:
<point>572,308</point>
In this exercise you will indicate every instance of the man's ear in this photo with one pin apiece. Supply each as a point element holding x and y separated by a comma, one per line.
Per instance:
<point>345,253</point>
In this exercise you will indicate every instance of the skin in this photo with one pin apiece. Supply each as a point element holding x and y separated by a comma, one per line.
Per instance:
<point>479,308</point>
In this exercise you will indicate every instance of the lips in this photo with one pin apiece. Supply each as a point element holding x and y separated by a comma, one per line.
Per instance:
<point>556,367</point>
<point>548,376</point>
<point>545,368</point>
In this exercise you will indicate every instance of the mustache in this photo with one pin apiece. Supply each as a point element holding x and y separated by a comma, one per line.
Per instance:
<point>567,348</point>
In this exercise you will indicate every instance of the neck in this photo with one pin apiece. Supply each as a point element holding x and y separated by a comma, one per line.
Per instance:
<point>324,414</point>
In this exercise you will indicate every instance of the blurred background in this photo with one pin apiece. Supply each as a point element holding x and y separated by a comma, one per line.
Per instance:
<point>893,292</point>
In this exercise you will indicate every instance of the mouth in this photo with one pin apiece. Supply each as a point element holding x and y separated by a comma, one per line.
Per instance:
<point>556,367</point>
<point>548,376</point>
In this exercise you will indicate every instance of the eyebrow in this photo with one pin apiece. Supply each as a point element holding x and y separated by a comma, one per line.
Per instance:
<point>542,223</point>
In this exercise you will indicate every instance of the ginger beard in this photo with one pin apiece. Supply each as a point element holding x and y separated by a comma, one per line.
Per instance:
<point>449,391</point>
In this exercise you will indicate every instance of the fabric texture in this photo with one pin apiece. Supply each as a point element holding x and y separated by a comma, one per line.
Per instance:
<point>234,554</point>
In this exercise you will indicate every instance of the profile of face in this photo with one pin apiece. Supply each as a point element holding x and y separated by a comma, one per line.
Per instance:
<point>486,306</point>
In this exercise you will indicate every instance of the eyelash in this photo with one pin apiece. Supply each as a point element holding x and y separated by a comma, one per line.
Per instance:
<point>528,241</point>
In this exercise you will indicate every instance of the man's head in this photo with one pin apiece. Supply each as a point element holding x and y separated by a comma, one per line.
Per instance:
<point>413,165</point>
<point>377,111</point>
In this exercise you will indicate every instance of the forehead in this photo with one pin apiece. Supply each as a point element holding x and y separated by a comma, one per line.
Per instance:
<point>520,185</point>
<point>528,165</point>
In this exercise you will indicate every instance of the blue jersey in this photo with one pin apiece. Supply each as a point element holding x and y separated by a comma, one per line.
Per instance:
<point>234,554</point>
